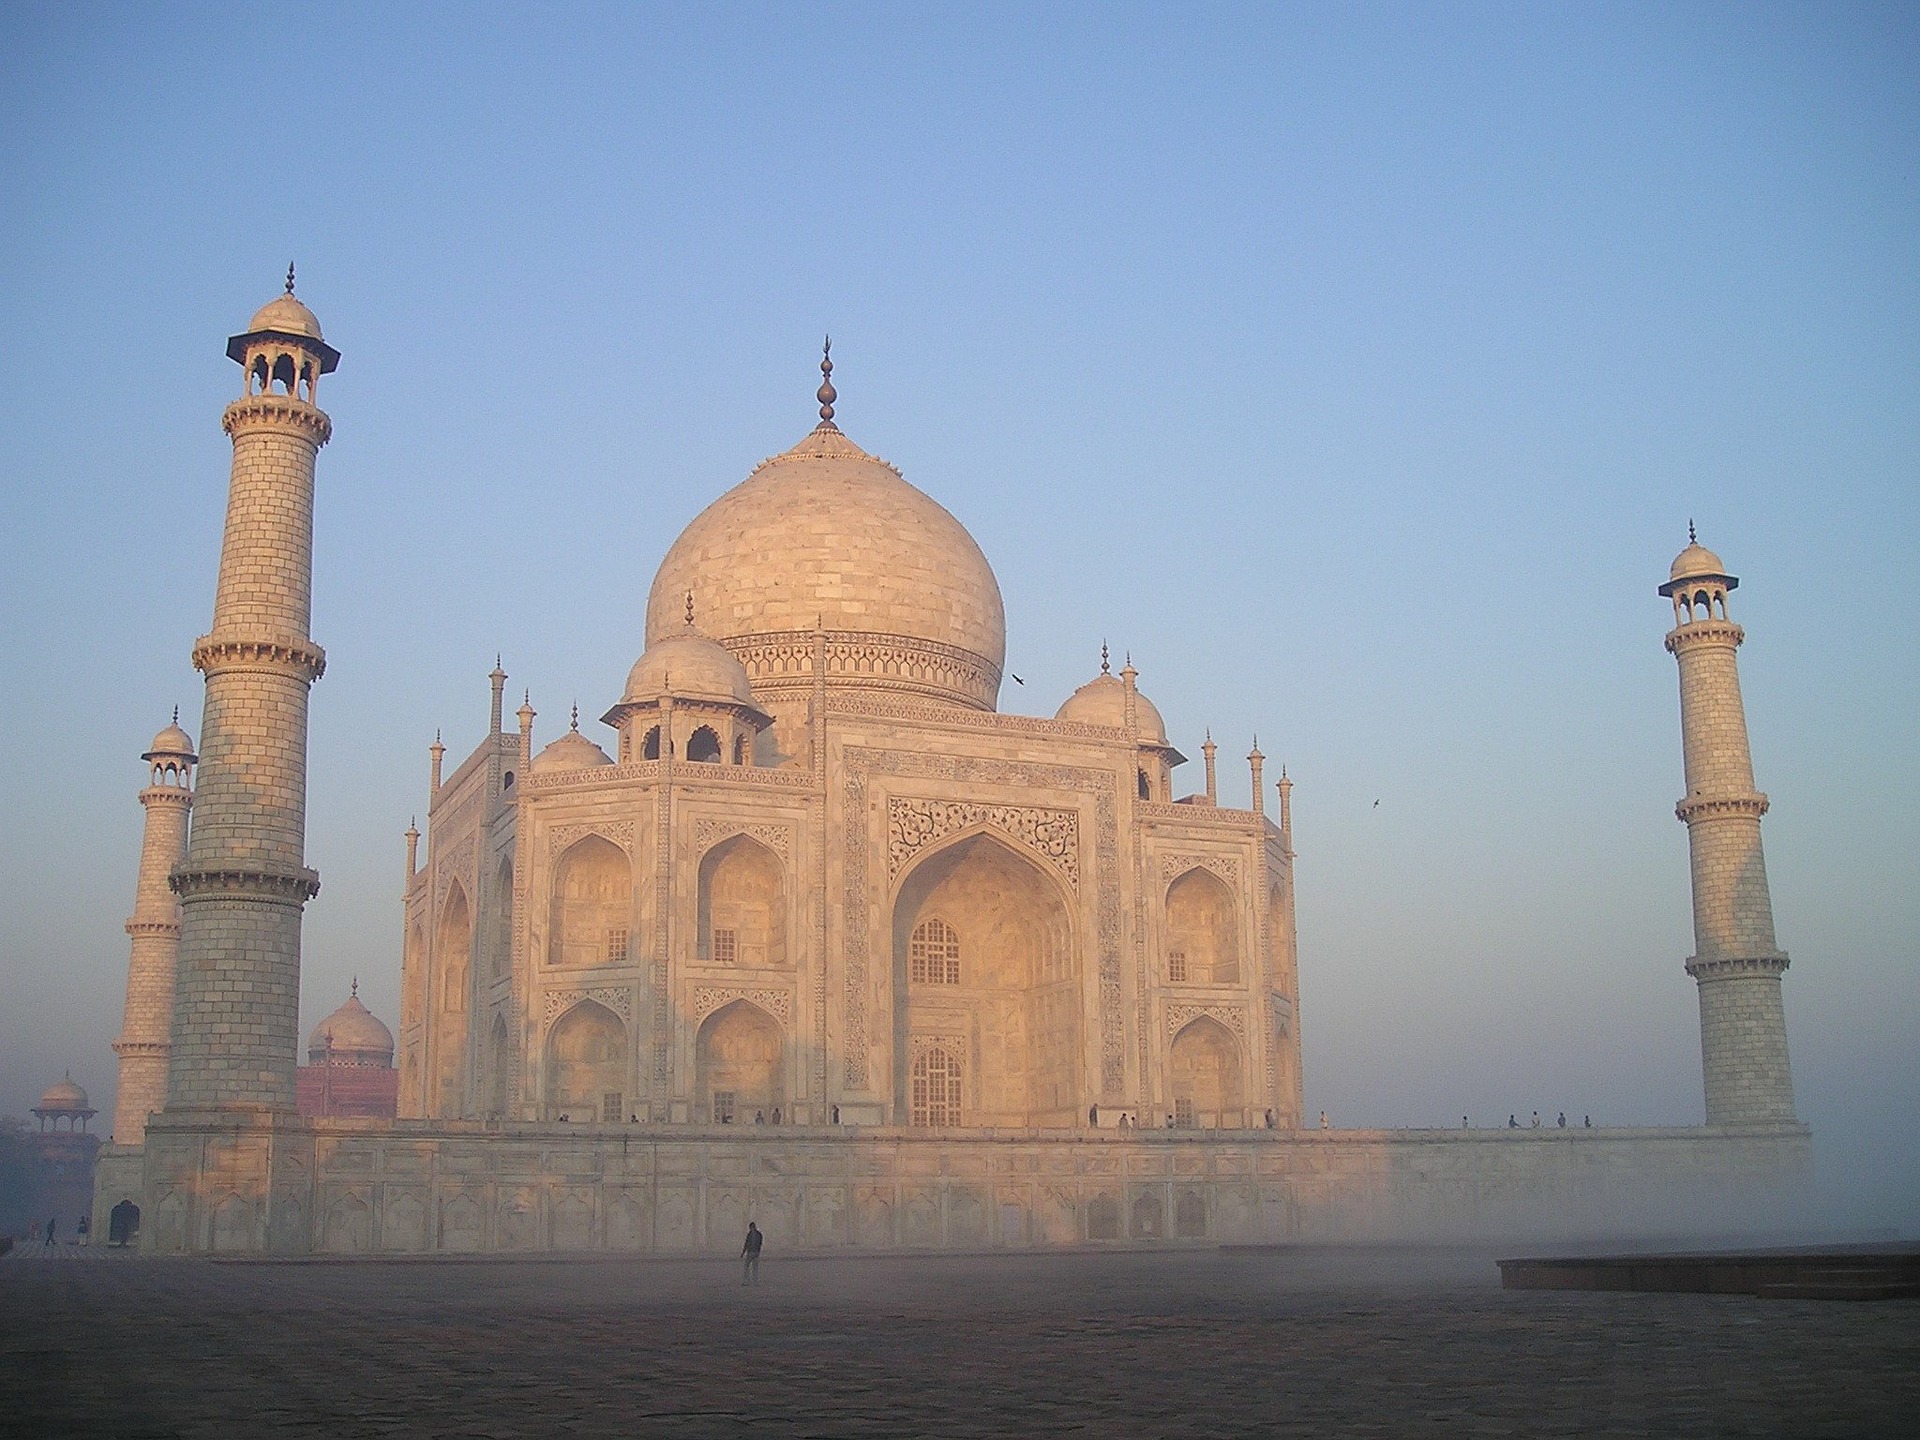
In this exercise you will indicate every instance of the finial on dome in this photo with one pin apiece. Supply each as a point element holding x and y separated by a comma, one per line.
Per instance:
<point>689,609</point>
<point>576,717</point>
<point>354,989</point>
<point>290,277</point>
<point>176,714</point>
<point>1692,539</point>
<point>826,394</point>
<point>1106,665</point>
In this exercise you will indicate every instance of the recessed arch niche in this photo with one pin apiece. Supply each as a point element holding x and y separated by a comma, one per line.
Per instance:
<point>592,905</point>
<point>452,970</point>
<point>743,909</point>
<point>1017,1002</point>
<point>739,1066</point>
<point>1204,1074</point>
<point>1202,931</point>
<point>587,1064</point>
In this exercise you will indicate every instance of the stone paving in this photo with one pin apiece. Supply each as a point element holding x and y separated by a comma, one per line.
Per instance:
<point>1196,1343</point>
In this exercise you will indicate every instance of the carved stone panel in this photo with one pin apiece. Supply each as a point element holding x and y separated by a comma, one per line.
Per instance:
<point>620,1001</point>
<point>1232,1016</point>
<point>1053,835</point>
<point>709,998</point>
<point>1227,867</point>
<point>709,832</point>
<point>620,832</point>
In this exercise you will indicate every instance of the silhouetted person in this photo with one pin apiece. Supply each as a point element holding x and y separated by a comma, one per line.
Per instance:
<point>1512,1124</point>
<point>750,1256</point>
<point>1536,1119</point>
<point>52,1225</point>
<point>1463,1122</point>
<point>759,1117</point>
<point>1586,1122</point>
<point>1563,1120</point>
<point>80,1230</point>
<point>836,1114</point>
<point>1323,1121</point>
<point>1269,1119</point>
<point>776,1114</point>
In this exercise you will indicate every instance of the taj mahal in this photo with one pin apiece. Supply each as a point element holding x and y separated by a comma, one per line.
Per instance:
<point>821,936</point>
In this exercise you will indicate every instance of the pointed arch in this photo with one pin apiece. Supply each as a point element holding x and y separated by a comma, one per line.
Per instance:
<point>1205,1076</point>
<point>586,1064</point>
<point>739,1065</point>
<point>1202,930</point>
<point>742,919</point>
<point>590,914</point>
<point>451,1001</point>
<point>1017,1006</point>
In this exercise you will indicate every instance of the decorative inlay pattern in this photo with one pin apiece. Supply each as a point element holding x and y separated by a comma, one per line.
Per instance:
<point>1231,1016</point>
<point>784,659</point>
<point>1227,867</point>
<point>458,866</point>
<point>777,838</point>
<point>620,832</point>
<point>913,824</point>
<point>861,764</point>
<point>620,1001</point>
<point>954,1045</point>
<point>709,998</point>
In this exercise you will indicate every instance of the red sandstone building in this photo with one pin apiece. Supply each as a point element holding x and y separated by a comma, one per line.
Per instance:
<point>350,1065</point>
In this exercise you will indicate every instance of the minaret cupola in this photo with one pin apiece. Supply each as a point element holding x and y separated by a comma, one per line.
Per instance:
<point>281,349</point>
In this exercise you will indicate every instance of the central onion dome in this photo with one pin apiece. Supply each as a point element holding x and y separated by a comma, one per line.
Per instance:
<point>829,535</point>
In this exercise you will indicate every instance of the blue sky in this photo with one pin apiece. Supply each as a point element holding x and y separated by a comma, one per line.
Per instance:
<point>1356,368</point>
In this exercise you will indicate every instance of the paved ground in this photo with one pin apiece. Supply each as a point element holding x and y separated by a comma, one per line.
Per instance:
<point>1206,1343</point>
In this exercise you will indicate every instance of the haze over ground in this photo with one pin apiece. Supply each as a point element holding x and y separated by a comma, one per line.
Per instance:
<point>1356,369</point>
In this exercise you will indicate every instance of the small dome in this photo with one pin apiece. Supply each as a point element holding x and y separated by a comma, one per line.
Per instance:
<point>351,1035</point>
<point>64,1095</point>
<point>1696,562</point>
<point>171,741</point>
<point>288,316</point>
<point>1103,701</point>
<point>688,666</point>
<point>572,751</point>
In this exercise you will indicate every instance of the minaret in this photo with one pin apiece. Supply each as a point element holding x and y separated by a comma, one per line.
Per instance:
<point>1736,964</point>
<point>1211,751</point>
<point>245,880</point>
<point>155,933</point>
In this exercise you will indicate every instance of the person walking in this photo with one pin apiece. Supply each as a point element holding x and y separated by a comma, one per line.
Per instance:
<point>52,1225</point>
<point>750,1255</point>
<point>81,1228</point>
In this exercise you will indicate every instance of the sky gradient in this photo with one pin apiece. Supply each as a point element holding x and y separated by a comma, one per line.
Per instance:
<point>1357,369</point>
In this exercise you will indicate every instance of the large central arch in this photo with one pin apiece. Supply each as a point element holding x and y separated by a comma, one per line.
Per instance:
<point>986,969</point>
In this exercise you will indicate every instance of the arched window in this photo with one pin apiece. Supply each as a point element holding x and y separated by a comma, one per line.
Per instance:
<point>650,747</point>
<point>936,1088</point>
<point>933,954</point>
<point>703,746</point>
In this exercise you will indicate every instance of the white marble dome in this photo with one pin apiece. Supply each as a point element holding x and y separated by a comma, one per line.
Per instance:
<point>827,534</point>
<point>1103,701</point>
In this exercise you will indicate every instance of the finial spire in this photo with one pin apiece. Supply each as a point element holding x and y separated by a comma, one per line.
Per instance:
<point>689,608</point>
<point>354,990</point>
<point>826,394</point>
<point>576,717</point>
<point>1106,664</point>
<point>176,714</point>
<point>1692,539</point>
<point>289,277</point>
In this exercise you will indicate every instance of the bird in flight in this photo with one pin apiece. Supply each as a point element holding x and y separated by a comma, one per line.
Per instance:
<point>1016,679</point>
<point>1376,804</point>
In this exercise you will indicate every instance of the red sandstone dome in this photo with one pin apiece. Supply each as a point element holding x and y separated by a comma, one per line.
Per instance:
<point>351,1035</point>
